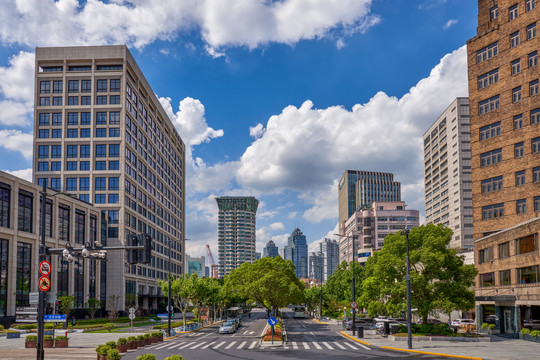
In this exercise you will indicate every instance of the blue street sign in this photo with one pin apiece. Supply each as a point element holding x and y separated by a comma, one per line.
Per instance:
<point>54,318</point>
<point>272,321</point>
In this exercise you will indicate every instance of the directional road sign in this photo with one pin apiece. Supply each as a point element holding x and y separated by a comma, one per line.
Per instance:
<point>354,304</point>
<point>272,321</point>
<point>54,318</point>
<point>44,283</point>
<point>45,268</point>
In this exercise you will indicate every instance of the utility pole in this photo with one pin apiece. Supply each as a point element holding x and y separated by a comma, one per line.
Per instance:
<point>353,285</point>
<point>40,355</point>
<point>169,298</point>
<point>408,279</point>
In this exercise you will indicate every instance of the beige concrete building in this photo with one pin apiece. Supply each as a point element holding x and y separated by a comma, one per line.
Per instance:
<point>447,173</point>
<point>67,218</point>
<point>101,134</point>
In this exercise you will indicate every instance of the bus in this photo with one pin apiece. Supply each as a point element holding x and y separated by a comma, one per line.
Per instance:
<point>299,311</point>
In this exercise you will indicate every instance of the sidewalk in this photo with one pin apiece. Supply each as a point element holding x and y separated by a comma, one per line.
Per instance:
<point>498,349</point>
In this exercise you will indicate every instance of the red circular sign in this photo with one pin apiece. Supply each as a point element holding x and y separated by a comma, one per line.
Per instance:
<point>45,268</point>
<point>354,304</point>
<point>44,283</point>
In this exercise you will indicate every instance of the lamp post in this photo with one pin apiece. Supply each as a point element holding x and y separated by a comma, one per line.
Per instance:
<point>320,303</point>
<point>353,237</point>
<point>408,279</point>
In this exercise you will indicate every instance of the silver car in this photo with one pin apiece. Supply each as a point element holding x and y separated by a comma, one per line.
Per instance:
<point>228,327</point>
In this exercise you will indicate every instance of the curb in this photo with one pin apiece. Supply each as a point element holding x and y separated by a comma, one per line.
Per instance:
<point>319,322</point>
<point>431,353</point>
<point>355,339</point>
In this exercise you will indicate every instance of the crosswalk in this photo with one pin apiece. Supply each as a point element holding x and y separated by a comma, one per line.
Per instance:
<point>251,345</point>
<point>239,332</point>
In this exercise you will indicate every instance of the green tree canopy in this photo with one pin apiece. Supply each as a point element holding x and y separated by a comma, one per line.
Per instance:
<point>339,285</point>
<point>269,281</point>
<point>439,278</point>
<point>183,290</point>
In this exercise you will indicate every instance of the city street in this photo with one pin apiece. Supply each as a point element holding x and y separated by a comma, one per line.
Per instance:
<point>306,339</point>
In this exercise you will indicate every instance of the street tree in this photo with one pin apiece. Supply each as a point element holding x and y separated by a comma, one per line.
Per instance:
<point>92,306</point>
<point>439,278</point>
<point>112,307</point>
<point>339,285</point>
<point>66,305</point>
<point>268,281</point>
<point>182,291</point>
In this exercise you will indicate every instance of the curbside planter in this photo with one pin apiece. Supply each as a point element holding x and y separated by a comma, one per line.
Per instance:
<point>13,335</point>
<point>529,337</point>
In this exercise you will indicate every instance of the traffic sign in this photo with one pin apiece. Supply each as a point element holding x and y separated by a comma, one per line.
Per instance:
<point>131,316</point>
<point>272,321</point>
<point>45,268</point>
<point>44,283</point>
<point>354,304</point>
<point>132,310</point>
<point>33,298</point>
<point>55,318</point>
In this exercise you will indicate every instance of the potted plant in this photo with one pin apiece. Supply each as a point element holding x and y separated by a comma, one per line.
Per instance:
<point>140,341</point>
<point>12,334</point>
<point>47,341</point>
<point>160,335</point>
<point>111,344</point>
<point>147,340</point>
<point>122,345</point>
<point>147,357</point>
<point>154,337</point>
<point>113,354</point>
<point>30,341</point>
<point>61,341</point>
<point>132,343</point>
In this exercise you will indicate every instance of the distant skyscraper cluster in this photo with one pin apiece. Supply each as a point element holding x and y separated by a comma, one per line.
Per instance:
<point>270,250</point>
<point>296,250</point>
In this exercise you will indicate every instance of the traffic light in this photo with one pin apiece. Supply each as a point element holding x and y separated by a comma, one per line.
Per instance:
<point>146,254</point>
<point>132,255</point>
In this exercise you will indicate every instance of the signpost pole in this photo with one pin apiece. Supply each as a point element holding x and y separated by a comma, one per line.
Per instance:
<point>40,354</point>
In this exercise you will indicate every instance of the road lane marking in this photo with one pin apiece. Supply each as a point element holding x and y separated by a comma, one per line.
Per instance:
<point>219,345</point>
<point>230,345</point>
<point>352,347</point>
<point>306,346</point>
<point>207,345</point>
<point>185,345</point>
<point>174,346</point>
<point>327,345</point>
<point>317,345</point>
<point>197,345</point>
<point>252,345</point>
<point>364,346</point>
<point>161,346</point>
<point>295,345</point>
<point>340,346</point>
<point>241,345</point>
<point>312,334</point>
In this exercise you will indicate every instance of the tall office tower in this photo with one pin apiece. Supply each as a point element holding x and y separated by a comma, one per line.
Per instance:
<point>296,250</point>
<point>196,265</point>
<point>316,266</point>
<point>101,134</point>
<point>447,173</point>
<point>330,250</point>
<point>361,188</point>
<point>505,115</point>
<point>368,226</point>
<point>236,232</point>
<point>270,250</point>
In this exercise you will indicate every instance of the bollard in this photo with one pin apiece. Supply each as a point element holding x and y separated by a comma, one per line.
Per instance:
<point>360,332</point>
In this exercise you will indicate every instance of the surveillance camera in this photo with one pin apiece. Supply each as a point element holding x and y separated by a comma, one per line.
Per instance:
<point>65,253</point>
<point>85,252</point>
<point>70,258</point>
<point>97,244</point>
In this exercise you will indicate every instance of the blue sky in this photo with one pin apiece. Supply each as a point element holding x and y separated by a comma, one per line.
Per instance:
<point>274,99</point>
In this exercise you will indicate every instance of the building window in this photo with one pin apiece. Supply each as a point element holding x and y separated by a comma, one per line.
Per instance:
<point>85,151</point>
<point>63,278</point>
<point>528,275</point>
<point>85,133</point>
<point>73,86</point>
<point>516,66</point>
<point>101,150</point>
<point>26,203</point>
<point>114,100</point>
<point>4,250</point>
<point>536,174</point>
<point>527,244</point>
<point>43,134</point>
<point>114,117</point>
<point>43,166</point>
<point>485,255</point>
<point>114,165</point>
<point>56,184</point>
<point>101,100</point>
<point>45,87</point>
<point>86,119</point>
<point>56,133</point>
<point>537,203</point>
<point>533,59</point>
<point>43,151</point>
<point>494,12</point>
<point>514,39</point>
<point>490,131</point>
<point>86,100</point>
<point>487,53</point>
<point>101,165</point>
<point>101,132</point>
<point>504,250</point>
<point>101,183</point>
<point>488,78</point>
<point>5,205</point>
<point>487,280</point>
<point>57,119</point>
<point>519,149</point>
<point>72,133</point>
<point>114,183</point>
<point>78,275</point>
<point>113,198</point>
<point>520,178</point>
<point>492,211</point>
<point>521,206</point>
<point>73,118</point>
<point>535,116</point>
<point>43,119</point>
<point>80,228</point>
<point>63,223</point>
<point>71,166</point>
<point>84,184</point>
<point>115,85</point>
<point>488,105</point>
<point>72,151</point>
<point>102,85</point>
<point>513,12</point>
<point>491,157</point>
<point>57,86</point>
<point>101,118</point>
<point>114,132</point>
<point>57,101</point>
<point>56,166</point>
<point>100,199</point>
<point>71,184</point>
<point>516,94</point>
<point>533,88</point>
<point>114,150</point>
<point>24,274</point>
<point>535,145</point>
<point>44,101</point>
<point>504,277</point>
<point>86,86</point>
<point>531,31</point>
<point>491,185</point>
<point>531,4</point>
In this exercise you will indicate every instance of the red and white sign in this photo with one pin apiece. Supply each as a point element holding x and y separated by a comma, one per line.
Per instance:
<point>354,304</point>
<point>44,283</point>
<point>45,268</point>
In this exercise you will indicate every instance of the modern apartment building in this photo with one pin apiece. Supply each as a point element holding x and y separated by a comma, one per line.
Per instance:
<point>66,218</point>
<point>505,115</point>
<point>101,135</point>
<point>270,250</point>
<point>330,250</point>
<point>296,250</point>
<point>196,265</point>
<point>316,266</point>
<point>368,226</point>
<point>447,173</point>
<point>361,188</point>
<point>236,232</point>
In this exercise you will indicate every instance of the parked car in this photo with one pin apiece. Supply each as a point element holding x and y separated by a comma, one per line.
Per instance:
<point>457,323</point>
<point>431,322</point>
<point>228,327</point>
<point>531,324</point>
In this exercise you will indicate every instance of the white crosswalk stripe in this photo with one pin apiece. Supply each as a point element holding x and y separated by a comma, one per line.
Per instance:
<point>306,346</point>
<point>317,345</point>
<point>207,345</point>
<point>230,345</point>
<point>327,345</point>
<point>340,346</point>
<point>252,345</point>
<point>242,345</point>
<point>295,345</point>
<point>174,346</point>
<point>161,346</point>
<point>185,345</point>
<point>219,345</point>
<point>197,345</point>
<point>352,347</point>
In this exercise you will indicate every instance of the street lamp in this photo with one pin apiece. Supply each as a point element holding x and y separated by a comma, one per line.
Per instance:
<point>408,279</point>
<point>354,237</point>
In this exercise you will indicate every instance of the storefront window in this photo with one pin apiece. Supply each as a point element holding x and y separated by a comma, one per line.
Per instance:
<point>528,275</point>
<point>24,261</point>
<point>487,280</point>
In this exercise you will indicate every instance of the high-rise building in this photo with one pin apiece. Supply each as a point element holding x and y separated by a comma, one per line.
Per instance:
<point>316,266</point>
<point>196,265</point>
<point>101,134</point>
<point>270,250</point>
<point>330,250</point>
<point>368,226</point>
<point>505,115</point>
<point>236,232</point>
<point>447,173</point>
<point>296,250</point>
<point>361,188</point>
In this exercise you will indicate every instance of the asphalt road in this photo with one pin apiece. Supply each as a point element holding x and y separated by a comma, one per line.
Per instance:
<point>306,339</point>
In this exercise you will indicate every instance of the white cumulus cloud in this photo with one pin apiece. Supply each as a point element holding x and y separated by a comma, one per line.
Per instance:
<point>25,174</point>
<point>16,140</point>
<point>256,131</point>
<point>17,90</point>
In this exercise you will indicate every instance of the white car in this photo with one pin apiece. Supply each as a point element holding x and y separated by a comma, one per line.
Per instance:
<point>462,322</point>
<point>228,327</point>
